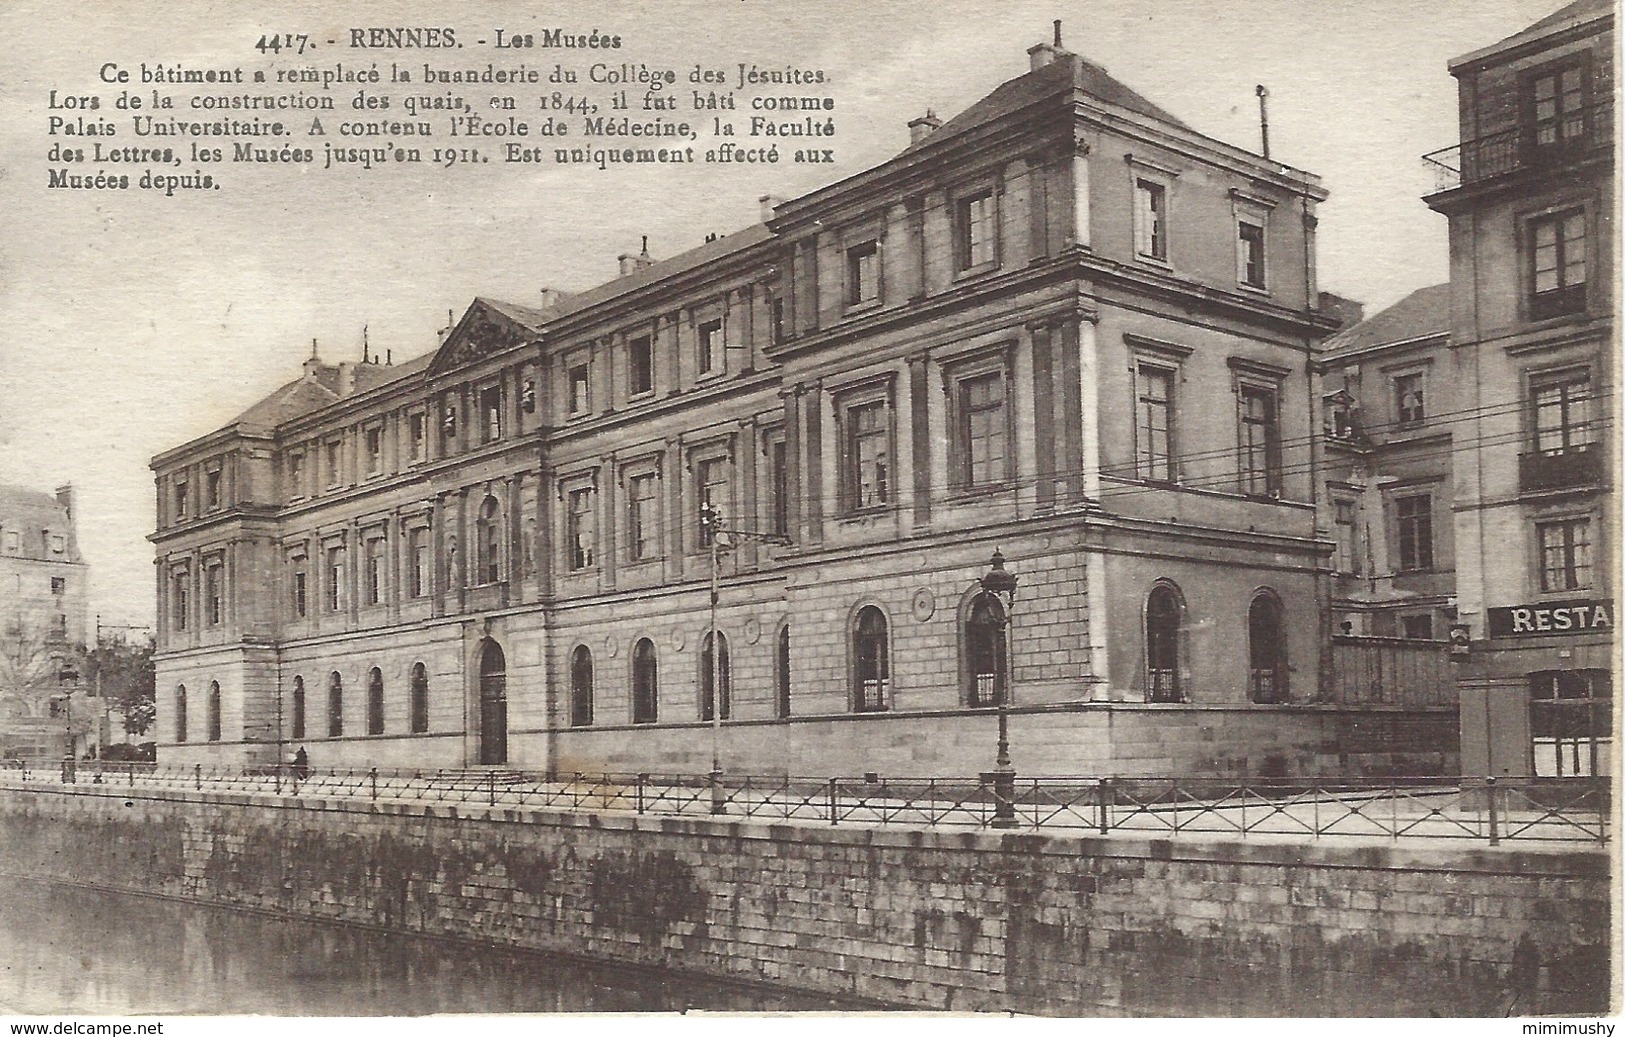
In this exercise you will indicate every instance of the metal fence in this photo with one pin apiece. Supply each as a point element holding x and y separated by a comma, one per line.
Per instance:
<point>1565,810</point>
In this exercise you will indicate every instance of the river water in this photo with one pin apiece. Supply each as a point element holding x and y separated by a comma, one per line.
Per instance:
<point>66,950</point>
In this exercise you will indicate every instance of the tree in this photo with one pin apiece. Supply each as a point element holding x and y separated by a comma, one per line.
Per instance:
<point>123,671</point>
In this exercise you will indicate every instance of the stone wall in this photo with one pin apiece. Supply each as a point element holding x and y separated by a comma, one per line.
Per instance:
<point>1060,924</point>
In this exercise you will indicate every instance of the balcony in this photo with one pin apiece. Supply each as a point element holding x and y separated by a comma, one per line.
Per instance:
<point>1516,149</point>
<point>1577,466</point>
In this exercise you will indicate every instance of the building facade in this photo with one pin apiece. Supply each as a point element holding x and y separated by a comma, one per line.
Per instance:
<point>44,585</point>
<point>1063,325</point>
<point>1532,354</point>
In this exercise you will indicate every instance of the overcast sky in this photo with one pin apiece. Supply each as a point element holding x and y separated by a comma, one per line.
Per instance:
<point>134,322</point>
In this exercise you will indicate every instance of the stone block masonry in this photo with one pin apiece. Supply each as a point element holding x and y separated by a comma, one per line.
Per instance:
<point>1052,924</point>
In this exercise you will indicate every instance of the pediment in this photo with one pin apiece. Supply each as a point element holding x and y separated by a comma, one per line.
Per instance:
<point>484,330</point>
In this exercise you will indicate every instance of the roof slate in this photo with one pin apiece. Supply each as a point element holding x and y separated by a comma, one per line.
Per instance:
<point>1424,312</point>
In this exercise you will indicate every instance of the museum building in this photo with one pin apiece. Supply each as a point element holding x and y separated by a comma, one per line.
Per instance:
<point>1062,325</point>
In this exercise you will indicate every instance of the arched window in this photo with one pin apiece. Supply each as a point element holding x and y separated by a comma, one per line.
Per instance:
<point>375,702</point>
<point>488,565</point>
<point>581,686</point>
<point>419,694</point>
<point>180,712</point>
<point>718,670</point>
<point>298,708</point>
<point>986,676</point>
<point>335,705</point>
<point>782,671</point>
<point>214,711</point>
<point>1266,649</point>
<point>1164,614</point>
<point>645,683</point>
<point>871,665</point>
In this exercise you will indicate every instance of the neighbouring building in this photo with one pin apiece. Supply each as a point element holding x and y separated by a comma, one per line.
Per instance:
<point>1529,369</point>
<point>1062,324</point>
<point>44,587</point>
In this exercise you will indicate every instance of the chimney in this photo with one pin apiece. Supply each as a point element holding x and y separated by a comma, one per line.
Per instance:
<point>314,365</point>
<point>628,263</point>
<point>64,497</point>
<point>923,127</point>
<point>550,298</point>
<point>346,384</point>
<point>769,202</point>
<point>1044,53</point>
<point>642,261</point>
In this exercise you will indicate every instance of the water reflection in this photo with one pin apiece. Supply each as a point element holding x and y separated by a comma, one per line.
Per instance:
<point>66,950</point>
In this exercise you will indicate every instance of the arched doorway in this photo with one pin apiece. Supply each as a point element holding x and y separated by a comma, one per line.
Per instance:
<point>1266,650</point>
<point>493,704</point>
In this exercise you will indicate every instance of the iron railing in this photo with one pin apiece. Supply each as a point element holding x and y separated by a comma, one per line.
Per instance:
<point>1522,147</point>
<point>1572,809</point>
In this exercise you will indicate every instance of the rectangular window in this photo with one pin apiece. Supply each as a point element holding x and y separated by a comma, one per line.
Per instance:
<point>1416,628</point>
<point>1260,442</point>
<point>14,543</point>
<point>867,455</point>
<point>490,414</point>
<point>335,462</point>
<point>59,585</point>
<point>301,603</point>
<point>335,578</point>
<point>581,532</point>
<point>183,502</point>
<point>1409,408</point>
<point>214,591</point>
<point>1555,103</point>
<point>374,438</point>
<point>374,590</point>
<point>417,426</point>
<point>1562,411</point>
<point>778,479</point>
<point>59,544</point>
<point>580,389</point>
<point>418,561</point>
<point>1347,559</point>
<point>976,230</point>
<point>1565,555</point>
<point>775,312</point>
<point>1413,521</point>
<point>641,365</point>
<point>982,430</point>
<point>1150,220</point>
<point>1250,253</point>
<point>211,489</point>
<point>711,487</point>
<point>863,273</point>
<point>643,516</point>
<point>296,475</point>
<point>1154,441</point>
<point>180,599</point>
<point>709,346</point>
<point>1558,264</point>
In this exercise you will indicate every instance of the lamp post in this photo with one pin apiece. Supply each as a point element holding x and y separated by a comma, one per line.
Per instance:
<point>711,523</point>
<point>68,677</point>
<point>1001,583</point>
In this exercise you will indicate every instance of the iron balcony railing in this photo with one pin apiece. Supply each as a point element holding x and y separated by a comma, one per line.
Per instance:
<point>1522,147</point>
<point>1565,469</point>
<point>1489,810</point>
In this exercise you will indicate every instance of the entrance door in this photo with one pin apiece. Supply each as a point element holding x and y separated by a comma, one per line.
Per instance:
<point>493,705</point>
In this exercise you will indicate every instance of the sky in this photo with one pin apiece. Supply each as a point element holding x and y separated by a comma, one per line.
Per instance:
<point>136,322</point>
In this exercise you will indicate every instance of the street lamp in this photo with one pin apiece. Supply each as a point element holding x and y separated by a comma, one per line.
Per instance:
<point>714,529</point>
<point>1002,585</point>
<point>68,677</point>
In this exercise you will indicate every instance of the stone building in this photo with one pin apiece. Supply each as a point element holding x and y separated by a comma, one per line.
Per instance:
<point>44,587</point>
<point>1062,324</point>
<point>1531,358</point>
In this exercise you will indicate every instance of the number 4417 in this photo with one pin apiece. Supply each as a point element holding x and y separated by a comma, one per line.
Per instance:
<point>275,43</point>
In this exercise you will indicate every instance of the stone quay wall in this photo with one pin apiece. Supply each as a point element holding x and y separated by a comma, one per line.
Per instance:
<point>1058,924</point>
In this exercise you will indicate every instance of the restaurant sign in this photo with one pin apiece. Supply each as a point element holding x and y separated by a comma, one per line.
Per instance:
<point>1553,617</point>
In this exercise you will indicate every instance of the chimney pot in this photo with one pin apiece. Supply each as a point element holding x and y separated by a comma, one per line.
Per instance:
<point>550,298</point>
<point>769,202</point>
<point>627,263</point>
